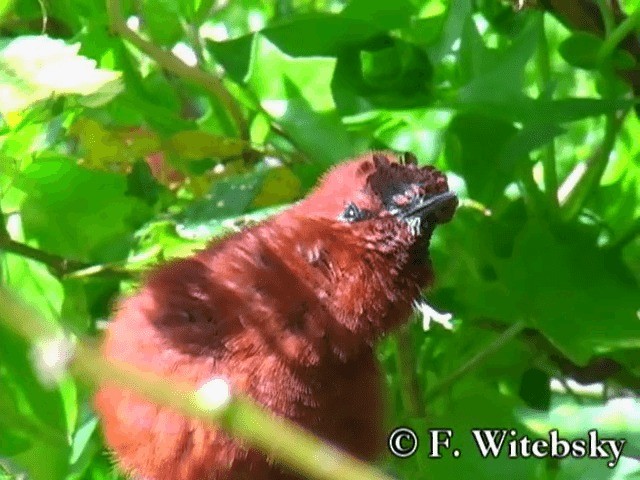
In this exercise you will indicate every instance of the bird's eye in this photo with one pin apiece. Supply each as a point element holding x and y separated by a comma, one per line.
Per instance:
<point>352,214</point>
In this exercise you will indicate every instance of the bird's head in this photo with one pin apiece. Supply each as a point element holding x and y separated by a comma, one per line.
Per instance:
<point>383,197</point>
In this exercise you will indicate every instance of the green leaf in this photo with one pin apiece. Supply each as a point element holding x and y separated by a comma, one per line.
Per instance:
<point>526,110</point>
<point>616,419</point>
<point>34,415</point>
<point>12,442</point>
<point>581,50</point>
<point>33,68</point>
<point>78,213</point>
<point>384,15</point>
<point>196,145</point>
<point>234,195</point>
<point>578,295</point>
<point>296,93</point>
<point>84,447</point>
<point>479,143</point>
<point>162,20</point>
<point>325,35</point>
<point>456,17</point>
<point>476,406</point>
<point>74,312</point>
<point>535,390</point>
<point>34,281</point>
<point>142,184</point>
<point>497,76</point>
<point>106,148</point>
<point>5,7</point>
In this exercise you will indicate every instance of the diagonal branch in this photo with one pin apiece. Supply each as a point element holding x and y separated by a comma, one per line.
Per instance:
<point>210,83</point>
<point>586,16</point>
<point>505,337</point>
<point>60,266</point>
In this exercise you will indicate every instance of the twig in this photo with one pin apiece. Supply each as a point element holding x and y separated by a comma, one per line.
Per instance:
<point>193,33</point>
<point>406,363</point>
<point>210,83</point>
<point>578,185</point>
<point>241,417</point>
<point>549,153</point>
<point>533,197</point>
<point>608,17</point>
<point>621,32</point>
<point>60,266</point>
<point>476,360</point>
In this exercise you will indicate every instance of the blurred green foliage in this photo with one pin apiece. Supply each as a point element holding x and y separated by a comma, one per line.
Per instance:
<point>109,158</point>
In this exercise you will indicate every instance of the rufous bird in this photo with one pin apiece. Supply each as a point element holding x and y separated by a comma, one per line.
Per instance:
<point>286,311</point>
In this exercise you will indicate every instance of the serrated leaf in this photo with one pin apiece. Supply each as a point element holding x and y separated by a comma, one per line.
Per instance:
<point>480,141</point>
<point>498,76</point>
<point>33,68</point>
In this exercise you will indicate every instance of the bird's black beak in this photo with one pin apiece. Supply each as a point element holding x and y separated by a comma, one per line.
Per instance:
<point>441,206</point>
<point>425,212</point>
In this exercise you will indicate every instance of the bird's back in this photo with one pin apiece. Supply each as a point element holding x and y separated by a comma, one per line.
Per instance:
<point>242,312</point>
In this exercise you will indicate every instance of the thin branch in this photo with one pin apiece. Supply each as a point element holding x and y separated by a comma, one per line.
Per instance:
<point>476,360</point>
<point>210,83</point>
<point>608,16</point>
<point>240,416</point>
<point>406,363</point>
<point>60,266</point>
<point>583,15</point>
<point>533,196</point>
<point>621,32</point>
<point>193,32</point>
<point>544,84</point>
<point>585,177</point>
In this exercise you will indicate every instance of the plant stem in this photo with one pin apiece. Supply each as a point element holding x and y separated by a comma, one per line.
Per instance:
<point>532,195</point>
<point>202,13</point>
<point>209,82</point>
<point>586,177</point>
<point>626,27</point>
<point>62,267</point>
<point>544,85</point>
<point>608,19</point>
<point>476,360</point>
<point>277,437</point>
<point>58,264</point>
<point>406,363</point>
